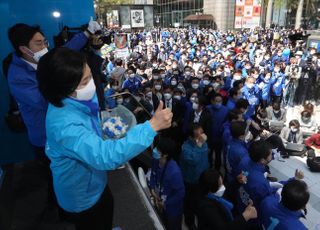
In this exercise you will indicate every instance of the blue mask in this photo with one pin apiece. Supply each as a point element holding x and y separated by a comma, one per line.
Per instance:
<point>155,154</point>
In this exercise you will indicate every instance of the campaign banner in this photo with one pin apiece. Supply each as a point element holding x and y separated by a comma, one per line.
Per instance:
<point>121,44</point>
<point>247,14</point>
<point>137,18</point>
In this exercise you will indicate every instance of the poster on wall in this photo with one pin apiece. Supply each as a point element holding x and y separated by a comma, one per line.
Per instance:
<point>137,18</point>
<point>113,19</point>
<point>121,44</point>
<point>247,14</point>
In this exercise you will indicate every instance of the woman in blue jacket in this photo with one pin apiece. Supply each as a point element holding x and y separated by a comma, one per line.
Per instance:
<point>79,156</point>
<point>167,185</point>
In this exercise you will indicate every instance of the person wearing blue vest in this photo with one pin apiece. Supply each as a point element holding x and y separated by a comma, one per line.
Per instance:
<point>219,115</point>
<point>215,210</point>
<point>264,83</point>
<point>166,183</point>
<point>278,83</point>
<point>236,149</point>
<point>75,146</point>
<point>284,212</point>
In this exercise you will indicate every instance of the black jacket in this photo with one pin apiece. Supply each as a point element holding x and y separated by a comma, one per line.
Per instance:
<point>212,215</point>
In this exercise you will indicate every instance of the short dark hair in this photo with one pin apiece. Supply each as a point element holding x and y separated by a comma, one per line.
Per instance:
<point>238,128</point>
<point>21,34</point>
<point>194,126</point>
<point>59,73</point>
<point>295,195</point>
<point>209,181</point>
<point>118,62</point>
<point>167,147</point>
<point>259,150</point>
<point>242,103</point>
<point>233,91</point>
<point>234,114</point>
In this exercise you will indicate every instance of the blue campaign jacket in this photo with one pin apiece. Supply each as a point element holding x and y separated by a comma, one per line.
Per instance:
<point>278,85</point>
<point>274,216</point>
<point>231,103</point>
<point>110,101</point>
<point>266,88</point>
<point>194,160</point>
<point>80,157</point>
<point>132,84</point>
<point>257,187</point>
<point>236,151</point>
<point>219,116</point>
<point>169,185</point>
<point>253,97</point>
<point>23,85</point>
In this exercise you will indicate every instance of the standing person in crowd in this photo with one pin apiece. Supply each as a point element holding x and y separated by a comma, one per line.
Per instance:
<point>83,195</point>
<point>167,186</point>
<point>118,72</point>
<point>193,161</point>
<point>218,114</point>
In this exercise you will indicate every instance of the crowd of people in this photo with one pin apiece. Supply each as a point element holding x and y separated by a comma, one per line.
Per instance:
<point>229,93</point>
<point>212,105</point>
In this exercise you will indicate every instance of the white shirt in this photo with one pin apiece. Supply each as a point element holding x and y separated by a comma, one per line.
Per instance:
<point>35,66</point>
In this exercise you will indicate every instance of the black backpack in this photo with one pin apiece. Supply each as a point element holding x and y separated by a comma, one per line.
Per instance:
<point>313,162</point>
<point>13,117</point>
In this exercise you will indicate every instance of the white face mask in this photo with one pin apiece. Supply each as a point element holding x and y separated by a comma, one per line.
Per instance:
<point>250,85</point>
<point>157,87</point>
<point>173,83</point>
<point>119,101</point>
<point>237,77</point>
<point>195,106</point>
<point>195,86</point>
<point>87,92</point>
<point>167,96</point>
<point>293,129</point>
<point>206,82</point>
<point>220,191</point>
<point>37,55</point>
<point>177,97</point>
<point>149,94</point>
<point>155,77</point>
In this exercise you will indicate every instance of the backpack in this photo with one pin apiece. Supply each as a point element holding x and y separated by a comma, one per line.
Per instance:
<point>313,162</point>
<point>13,117</point>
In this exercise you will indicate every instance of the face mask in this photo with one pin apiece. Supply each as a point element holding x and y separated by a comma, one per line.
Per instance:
<point>206,82</point>
<point>174,66</point>
<point>37,55</point>
<point>163,76</point>
<point>305,119</point>
<point>119,101</point>
<point>220,191</point>
<point>177,97</point>
<point>87,92</point>
<point>155,154</point>
<point>237,77</point>
<point>149,94</point>
<point>167,96</point>
<point>157,87</point>
<point>250,85</point>
<point>115,87</point>
<point>131,76</point>
<point>276,70</point>
<point>173,83</point>
<point>155,77</point>
<point>293,129</point>
<point>187,73</point>
<point>195,86</point>
<point>195,106</point>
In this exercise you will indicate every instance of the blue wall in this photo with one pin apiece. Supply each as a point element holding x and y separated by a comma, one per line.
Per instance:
<point>15,147</point>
